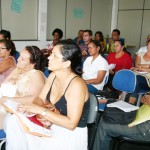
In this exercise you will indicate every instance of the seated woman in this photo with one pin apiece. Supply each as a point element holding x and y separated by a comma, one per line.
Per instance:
<point>27,73</point>
<point>24,78</point>
<point>142,63</point>
<point>7,62</point>
<point>120,59</point>
<point>100,38</point>
<point>95,68</point>
<point>106,131</point>
<point>57,36</point>
<point>68,92</point>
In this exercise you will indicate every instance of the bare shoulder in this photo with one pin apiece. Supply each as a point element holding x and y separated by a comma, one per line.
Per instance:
<point>78,87</point>
<point>37,75</point>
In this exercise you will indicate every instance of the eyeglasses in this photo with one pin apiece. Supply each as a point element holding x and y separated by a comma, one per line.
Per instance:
<point>2,48</point>
<point>91,47</point>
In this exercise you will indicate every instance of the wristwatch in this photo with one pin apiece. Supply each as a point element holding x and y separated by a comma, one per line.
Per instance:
<point>44,112</point>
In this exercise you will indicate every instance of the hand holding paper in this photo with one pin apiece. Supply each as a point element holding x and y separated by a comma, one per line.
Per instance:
<point>111,66</point>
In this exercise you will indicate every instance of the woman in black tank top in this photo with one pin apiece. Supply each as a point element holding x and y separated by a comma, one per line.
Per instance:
<point>68,94</point>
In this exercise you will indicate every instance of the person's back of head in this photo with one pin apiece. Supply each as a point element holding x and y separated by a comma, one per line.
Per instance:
<point>6,34</point>
<point>71,51</point>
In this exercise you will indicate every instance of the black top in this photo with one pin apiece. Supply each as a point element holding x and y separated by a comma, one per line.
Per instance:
<point>61,105</point>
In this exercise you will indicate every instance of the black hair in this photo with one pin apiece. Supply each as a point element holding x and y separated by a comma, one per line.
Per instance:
<point>116,30</point>
<point>89,31</point>
<point>101,36</point>
<point>35,56</point>
<point>122,44</point>
<point>9,46</point>
<point>71,51</point>
<point>59,31</point>
<point>6,34</point>
<point>96,43</point>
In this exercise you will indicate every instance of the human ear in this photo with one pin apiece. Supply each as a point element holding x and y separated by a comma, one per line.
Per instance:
<point>67,64</point>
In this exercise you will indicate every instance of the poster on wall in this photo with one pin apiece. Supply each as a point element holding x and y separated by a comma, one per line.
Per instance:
<point>17,5</point>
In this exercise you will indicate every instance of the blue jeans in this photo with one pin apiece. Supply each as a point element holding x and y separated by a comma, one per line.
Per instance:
<point>92,89</point>
<point>106,131</point>
<point>141,84</point>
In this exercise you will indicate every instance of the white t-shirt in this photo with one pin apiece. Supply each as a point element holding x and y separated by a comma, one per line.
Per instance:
<point>90,70</point>
<point>142,49</point>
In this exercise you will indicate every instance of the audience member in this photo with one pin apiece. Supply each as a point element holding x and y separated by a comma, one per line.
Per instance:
<point>79,39</point>
<point>106,131</point>
<point>142,64</point>
<point>4,34</point>
<point>87,37</point>
<point>100,38</point>
<point>120,59</point>
<point>95,68</point>
<point>7,62</point>
<point>57,36</point>
<point>24,79</point>
<point>68,92</point>
<point>114,36</point>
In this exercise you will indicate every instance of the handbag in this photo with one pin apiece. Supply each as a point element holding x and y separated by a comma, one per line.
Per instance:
<point>115,115</point>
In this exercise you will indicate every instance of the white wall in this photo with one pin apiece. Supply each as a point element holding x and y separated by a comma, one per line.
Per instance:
<point>96,17</point>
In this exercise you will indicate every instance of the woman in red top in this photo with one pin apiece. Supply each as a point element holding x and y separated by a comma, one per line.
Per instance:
<point>120,58</point>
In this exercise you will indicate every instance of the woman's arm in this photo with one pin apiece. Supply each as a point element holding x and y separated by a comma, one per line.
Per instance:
<point>36,84</point>
<point>76,96</point>
<point>6,64</point>
<point>100,77</point>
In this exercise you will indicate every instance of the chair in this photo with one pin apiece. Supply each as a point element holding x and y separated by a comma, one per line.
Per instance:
<point>2,138</point>
<point>93,118</point>
<point>125,81</point>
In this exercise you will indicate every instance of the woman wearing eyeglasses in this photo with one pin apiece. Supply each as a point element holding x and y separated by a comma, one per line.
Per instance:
<point>95,68</point>
<point>68,93</point>
<point>26,81</point>
<point>7,61</point>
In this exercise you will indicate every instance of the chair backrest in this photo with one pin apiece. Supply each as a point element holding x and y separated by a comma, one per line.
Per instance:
<point>2,138</point>
<point>125,81</point>
<point>93,109</point>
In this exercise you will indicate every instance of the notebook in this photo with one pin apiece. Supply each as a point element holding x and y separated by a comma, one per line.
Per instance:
<point>28,125</point>
<point>126,107</point>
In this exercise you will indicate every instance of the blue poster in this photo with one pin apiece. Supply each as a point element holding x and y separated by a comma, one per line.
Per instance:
<point>78,13</point>
<point>16,5</point>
